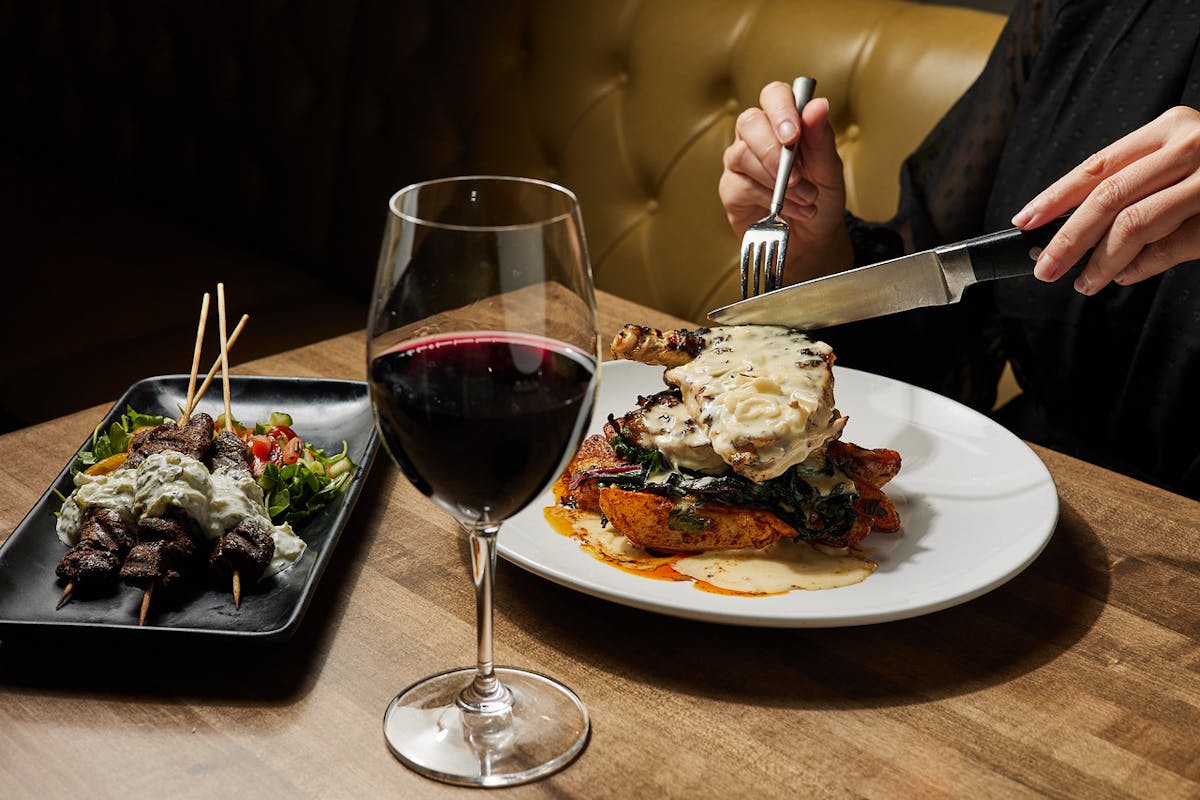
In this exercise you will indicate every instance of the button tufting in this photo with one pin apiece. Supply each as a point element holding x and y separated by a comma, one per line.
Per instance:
<point>651,206</point>
<point>733,105</point>
<point>853,132</point>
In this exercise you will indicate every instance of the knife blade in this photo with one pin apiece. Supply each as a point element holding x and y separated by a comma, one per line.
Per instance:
<point>929,278</point>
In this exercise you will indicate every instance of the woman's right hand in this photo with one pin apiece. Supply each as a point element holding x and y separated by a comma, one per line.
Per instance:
<point>815,203</point>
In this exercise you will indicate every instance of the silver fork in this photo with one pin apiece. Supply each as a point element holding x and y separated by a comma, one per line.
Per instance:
<point>764,246</point>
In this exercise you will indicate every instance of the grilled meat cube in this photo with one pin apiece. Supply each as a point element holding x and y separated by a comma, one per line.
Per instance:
<point>104,539</point>
<point>652,346</point>
<point>193,439</point>
<point>166,553</point>
<point>88,567</point>
<point>246,548</point>
<point>229,451</point>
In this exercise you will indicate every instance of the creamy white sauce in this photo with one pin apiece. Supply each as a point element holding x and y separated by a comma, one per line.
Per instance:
<point>764,396</point>
<point>167,480</point>
<point>236,497</point>
<point>670,429</point>
<point>778,568</point>
<point>216,501</point>
<point>114,490</point>
<point>288,548</point>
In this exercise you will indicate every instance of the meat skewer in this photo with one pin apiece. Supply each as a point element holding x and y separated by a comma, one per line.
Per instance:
<point>166,555</point>
<point>166,545</point>
<point>245,550</point>
<point>95,560</point>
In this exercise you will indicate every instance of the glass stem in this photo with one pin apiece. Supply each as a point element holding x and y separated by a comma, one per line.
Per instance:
<point>485,694</point>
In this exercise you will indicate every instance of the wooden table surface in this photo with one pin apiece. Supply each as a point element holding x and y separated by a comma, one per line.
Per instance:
<point>1078,678</point>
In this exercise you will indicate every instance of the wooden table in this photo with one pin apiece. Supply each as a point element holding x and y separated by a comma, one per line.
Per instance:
<point>1078,678</point>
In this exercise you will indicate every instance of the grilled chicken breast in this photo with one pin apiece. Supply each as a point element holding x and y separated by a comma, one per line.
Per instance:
<point>762,394</point>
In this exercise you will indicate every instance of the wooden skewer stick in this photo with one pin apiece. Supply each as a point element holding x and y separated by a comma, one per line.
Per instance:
<point>66,595</point>
<point>145,603</point>
<point>217,363</point>
<point>224,354</point>
<point>196,359</point>
<point>237,578</point>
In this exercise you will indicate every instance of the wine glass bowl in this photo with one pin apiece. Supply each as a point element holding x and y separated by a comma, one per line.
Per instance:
<point>482,362</point>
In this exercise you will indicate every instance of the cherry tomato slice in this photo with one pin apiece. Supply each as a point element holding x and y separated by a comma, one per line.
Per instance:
<point>260,447</point>
<point>282,431</point>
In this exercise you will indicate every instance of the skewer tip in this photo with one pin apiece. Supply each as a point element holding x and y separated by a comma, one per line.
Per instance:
<point>145,604</point>
<point>65,596</point>
<point>237,589</point>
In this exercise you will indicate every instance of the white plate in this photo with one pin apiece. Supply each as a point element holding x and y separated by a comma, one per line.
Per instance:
<point>976,505</point>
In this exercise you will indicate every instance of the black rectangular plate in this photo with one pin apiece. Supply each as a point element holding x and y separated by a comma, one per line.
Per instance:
<point>324,413</point>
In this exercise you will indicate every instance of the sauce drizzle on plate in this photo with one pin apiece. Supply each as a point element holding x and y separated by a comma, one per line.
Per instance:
<point>777,569</point>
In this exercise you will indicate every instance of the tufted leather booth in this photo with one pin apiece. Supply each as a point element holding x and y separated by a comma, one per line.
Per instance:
<point>630,103</point>
<point>177,145</point>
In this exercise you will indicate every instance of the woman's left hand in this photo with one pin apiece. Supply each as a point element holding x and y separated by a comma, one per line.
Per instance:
<point>1137,202</point>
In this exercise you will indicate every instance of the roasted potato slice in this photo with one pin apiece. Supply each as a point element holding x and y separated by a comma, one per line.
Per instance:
<point>573,487</point>
<point>687,526</point>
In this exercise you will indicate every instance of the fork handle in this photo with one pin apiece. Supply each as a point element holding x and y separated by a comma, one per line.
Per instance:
<point>803,89</point>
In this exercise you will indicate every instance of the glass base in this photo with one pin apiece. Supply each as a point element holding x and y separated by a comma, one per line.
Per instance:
<point>544,728</point>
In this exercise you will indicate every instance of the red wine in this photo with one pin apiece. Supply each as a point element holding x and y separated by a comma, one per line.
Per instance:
<point>482,423</point>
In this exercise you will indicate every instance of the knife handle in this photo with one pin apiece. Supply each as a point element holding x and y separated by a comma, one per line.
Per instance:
<point>1011,253</point>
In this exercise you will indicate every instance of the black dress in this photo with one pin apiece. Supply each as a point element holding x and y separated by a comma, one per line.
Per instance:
<point>1115,378</point>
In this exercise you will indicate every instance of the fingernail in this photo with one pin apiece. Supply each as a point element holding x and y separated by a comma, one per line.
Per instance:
<point>787,132</point>
<point>1083,284</point>
<point>1023,216</point>
<point>1123,277</point>
<point>1046,268</point>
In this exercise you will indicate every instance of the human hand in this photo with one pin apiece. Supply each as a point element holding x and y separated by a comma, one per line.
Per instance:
<point>1138,205</point>
<point>815,202</point>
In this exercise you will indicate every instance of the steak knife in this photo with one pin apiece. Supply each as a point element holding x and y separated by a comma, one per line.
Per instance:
<point>929,278</point>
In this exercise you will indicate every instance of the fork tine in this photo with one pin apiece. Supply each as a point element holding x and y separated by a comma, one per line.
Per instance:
<point>759,248</point>
<point>777,263</point>
<point>745,270</point>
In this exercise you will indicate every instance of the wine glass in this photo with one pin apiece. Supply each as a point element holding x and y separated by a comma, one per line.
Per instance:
<point>482,359</point>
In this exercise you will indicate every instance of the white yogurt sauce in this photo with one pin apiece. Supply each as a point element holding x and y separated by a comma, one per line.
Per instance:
<point>217,501</point>
<point>114,490</point>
